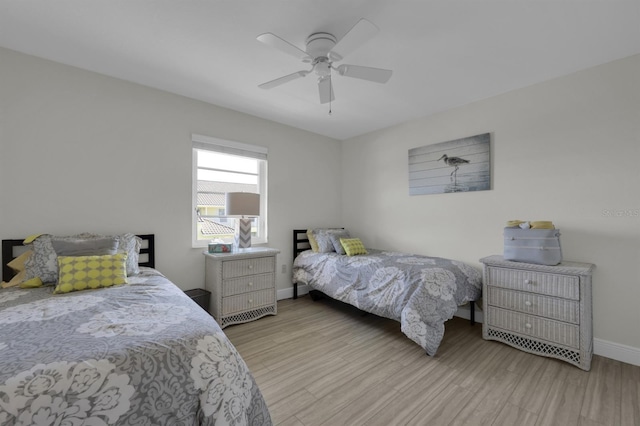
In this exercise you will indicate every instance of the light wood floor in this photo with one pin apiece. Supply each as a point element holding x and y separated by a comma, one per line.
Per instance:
<point>325,363</point>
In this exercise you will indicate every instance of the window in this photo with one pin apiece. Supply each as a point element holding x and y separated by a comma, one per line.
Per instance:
<point>221,166</point>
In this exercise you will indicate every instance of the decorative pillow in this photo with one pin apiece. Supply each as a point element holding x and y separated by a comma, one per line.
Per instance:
<point>335,240</point>
<point>32,283</point>
<point>320,240</point>
<point>85,247</point>
<point>312,240</point>
<point>43,263</point>
<point>17,279</point>
<point>353,246</point>
<point>130,244</point>
<point>17,264</point>
<point>85,272</point>
<point>324,242</point>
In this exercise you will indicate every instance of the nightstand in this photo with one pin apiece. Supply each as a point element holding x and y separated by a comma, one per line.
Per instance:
<point>545,310</point>
<point>242,284</point>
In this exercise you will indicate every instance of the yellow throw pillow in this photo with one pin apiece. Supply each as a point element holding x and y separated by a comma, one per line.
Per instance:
<point>17,279</point>
<point>90,272</point>
<point>312,240</point>
<point>353,246</point>
<point>32,283</point>
<point>17,264</point>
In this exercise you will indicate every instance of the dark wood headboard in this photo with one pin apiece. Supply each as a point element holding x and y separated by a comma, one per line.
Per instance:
<point>300,242</point>
<point>147,254</point>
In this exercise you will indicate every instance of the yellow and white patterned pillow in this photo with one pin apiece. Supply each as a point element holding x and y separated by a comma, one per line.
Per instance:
<point>87,272</point>
<point>353,246</point>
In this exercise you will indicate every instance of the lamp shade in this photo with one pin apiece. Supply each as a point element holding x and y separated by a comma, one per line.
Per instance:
<point>242,204</point>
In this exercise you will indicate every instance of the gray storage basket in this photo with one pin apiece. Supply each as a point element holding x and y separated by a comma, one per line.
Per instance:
<point>540,246</point>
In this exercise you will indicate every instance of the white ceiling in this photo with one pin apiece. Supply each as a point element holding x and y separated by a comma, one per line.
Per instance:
<point>444,53</point>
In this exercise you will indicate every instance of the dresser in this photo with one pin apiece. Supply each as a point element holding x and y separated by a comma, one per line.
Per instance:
<point>545,310</point>
<point>242,284</point>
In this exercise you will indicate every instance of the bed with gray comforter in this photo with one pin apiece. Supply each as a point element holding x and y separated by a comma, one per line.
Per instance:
<point>418,291</point>
<point>136,354</point>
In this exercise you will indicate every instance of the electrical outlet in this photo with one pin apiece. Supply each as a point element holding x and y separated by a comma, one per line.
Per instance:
<point>284,268</point>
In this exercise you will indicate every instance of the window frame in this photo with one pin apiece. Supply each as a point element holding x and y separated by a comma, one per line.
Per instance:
<point>208,143</point>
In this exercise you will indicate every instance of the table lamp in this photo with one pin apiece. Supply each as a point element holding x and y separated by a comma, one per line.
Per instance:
<point>244,206</point>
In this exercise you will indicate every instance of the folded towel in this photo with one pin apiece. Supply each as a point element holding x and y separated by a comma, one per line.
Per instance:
<point>542,224</point>
<point>514,223</point>
<point>538,224</point>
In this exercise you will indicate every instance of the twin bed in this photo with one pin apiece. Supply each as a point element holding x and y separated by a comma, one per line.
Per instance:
<point>418,291</point>
<point>137,354</point>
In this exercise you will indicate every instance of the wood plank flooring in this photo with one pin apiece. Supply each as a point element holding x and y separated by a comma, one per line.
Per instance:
<point>326,363</point>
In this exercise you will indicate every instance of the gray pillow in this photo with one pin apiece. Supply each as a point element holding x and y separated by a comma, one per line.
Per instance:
<point>335,240</point>
<point>91,247</point>
<point>325,239</point>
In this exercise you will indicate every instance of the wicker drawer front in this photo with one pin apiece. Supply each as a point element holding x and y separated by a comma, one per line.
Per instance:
<point>240,268</point>
<point>246,284</point>
<point>536,282</point>
<point>536,327</point>
<point>247,301</point>
<point>534,304</point>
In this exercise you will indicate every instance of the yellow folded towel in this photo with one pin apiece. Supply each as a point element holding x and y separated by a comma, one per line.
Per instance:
<point>542,224</point>
<point>514,223</point>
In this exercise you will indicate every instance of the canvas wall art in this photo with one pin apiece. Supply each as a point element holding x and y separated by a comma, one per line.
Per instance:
<point>459,165</point>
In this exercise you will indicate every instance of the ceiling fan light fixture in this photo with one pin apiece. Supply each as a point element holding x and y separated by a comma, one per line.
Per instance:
<point>323,69</point>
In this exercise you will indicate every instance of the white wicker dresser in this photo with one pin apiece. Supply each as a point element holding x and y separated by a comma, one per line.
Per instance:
<point>545,310</point>
<point>242,284</point>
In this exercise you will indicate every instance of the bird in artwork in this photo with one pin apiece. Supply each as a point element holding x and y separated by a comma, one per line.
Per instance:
<point>455,162</point>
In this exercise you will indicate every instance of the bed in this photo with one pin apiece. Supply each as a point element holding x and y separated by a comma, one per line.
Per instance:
<point>418,291</point>
<point>142,353</point>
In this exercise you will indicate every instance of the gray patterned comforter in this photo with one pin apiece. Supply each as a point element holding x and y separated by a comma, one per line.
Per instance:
<point>137,354</point>
<point>421,292</point>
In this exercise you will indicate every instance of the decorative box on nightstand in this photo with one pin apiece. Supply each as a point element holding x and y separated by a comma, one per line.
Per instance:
<point>242,284</point>
<point>545,310</point>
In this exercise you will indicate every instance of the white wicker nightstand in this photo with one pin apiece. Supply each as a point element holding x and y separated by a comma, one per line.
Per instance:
<point>545,310</point>
<point>242,284</point>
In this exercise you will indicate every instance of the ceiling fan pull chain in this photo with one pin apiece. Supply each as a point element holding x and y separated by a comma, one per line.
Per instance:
<point>330,92</point>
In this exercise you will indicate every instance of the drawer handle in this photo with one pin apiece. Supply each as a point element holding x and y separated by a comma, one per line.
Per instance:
<point>250,284</point>
<point>250,266</point>
<point>528,282</point>
<point>528,303</point>
<point>527,325</point>
<point>250,301</point>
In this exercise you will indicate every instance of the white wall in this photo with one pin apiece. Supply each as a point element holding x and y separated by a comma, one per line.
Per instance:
<point>82,152</point>
<point>566,150</point>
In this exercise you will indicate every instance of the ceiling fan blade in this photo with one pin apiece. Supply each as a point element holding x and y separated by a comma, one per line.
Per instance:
<point>287,78</point>
<point>284,46</point>
<point>361,32</point>
<point>326,90</point>
<point>377,75</point>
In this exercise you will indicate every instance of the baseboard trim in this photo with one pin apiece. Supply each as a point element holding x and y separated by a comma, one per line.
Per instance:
<point>616,351</point>
<point>287,293</point>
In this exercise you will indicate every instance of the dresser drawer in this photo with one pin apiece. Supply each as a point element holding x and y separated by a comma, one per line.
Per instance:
<point>249,283</point>
<point>535,282</point>
<point>248,301</point>
<point>535,304</point>
<point>533,326</point>
<point>239,268</point>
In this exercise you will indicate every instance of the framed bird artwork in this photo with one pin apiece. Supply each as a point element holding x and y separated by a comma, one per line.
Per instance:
<point>459,165</point>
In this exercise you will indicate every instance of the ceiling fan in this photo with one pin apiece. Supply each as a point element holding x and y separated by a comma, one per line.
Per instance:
<point>322,51</point>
